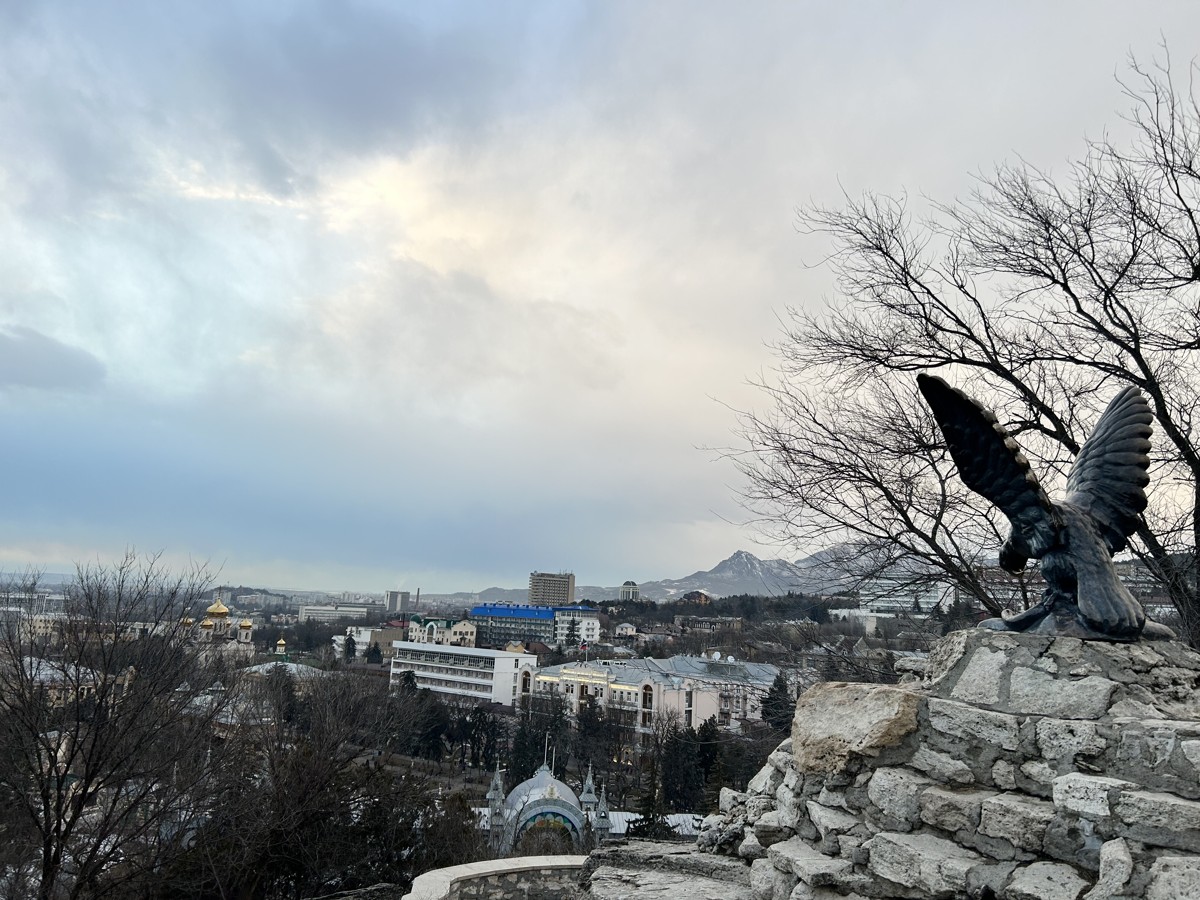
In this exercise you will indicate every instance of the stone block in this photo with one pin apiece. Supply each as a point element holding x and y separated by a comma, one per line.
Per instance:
<point>781,760</point>
<point>1045,881</point>
<point>952,811</point>
<point>896,792</point>
<point>1020,820</point>
<point>976,726</point>
<point>1174,878</point>
<point>1064,739</point>
<point>762,879</point>
<point>1163,820</point>
<point>783,885</point>
<point>1116,865</point>
<point>1035,693</point>
<point>751,849</point>
<point>829,820</point>
<point>922,862</point>
<point>942,767</point>
<point>808,864</point>
<point>982,678</point>
<point>1004,775</point>
<point>765,782</point>
<point>1086,795</point>
<point>789,806</point>
<point>988,879</point>
<point>837,722</point>
<point>832,798</point>
<point>757,806</point>
<point>1191,752</point>
<point>1037,778</point>
<point>729,799</point>
<point>770,829</point>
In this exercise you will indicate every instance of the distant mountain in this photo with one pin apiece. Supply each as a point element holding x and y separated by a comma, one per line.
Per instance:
<point>742,573</point>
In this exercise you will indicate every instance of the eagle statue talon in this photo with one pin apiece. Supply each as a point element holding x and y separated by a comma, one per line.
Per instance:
<point>1075,538</point>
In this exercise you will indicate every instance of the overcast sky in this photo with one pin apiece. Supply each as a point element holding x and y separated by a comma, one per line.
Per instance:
<point>365,296</point>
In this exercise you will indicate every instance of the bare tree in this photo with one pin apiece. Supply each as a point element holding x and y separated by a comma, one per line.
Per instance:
<point>1042,294</point>
<point>104,749</point>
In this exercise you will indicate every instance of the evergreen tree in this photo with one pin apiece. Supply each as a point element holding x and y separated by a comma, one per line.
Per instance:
<point>349,648</point>
<point>374,654</point>
<point>682,777</point>
<point>708,737</point>
<point>590,733</point>
<point>778,708</point>
<point>407,683</point>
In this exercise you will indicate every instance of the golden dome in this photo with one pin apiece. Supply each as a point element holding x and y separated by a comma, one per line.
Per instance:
<point>280,643</point>
<point>187,620</point>
<point>207,623</point>
<point>245,623</point>
<point>218,609</point>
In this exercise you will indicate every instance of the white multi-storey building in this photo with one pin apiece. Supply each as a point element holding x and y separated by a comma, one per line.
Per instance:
<point>336,612</point>
<point>587,625</point>
<point>478,674</point>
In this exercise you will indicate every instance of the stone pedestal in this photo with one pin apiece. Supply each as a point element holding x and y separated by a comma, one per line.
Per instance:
<point>1019,766</point>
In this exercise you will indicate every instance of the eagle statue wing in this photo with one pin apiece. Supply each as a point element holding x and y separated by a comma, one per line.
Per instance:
<point>1110,474</point>
<point>991,464</point>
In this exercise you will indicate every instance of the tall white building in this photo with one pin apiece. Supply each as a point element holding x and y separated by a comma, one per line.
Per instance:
<point>483,675</point>
<point>551,589</point>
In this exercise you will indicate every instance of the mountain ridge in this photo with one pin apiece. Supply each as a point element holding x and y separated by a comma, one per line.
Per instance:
<point>740,573</point>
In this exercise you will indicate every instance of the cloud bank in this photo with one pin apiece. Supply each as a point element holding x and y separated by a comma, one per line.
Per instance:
<point>351,295</point>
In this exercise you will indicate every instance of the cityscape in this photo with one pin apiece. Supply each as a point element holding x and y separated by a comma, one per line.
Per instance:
<point>599,451</point>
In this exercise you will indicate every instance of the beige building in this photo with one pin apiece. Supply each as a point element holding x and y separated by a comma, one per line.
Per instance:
<point>550,589</point>
<point>696,688</point>
<point>445,632</point>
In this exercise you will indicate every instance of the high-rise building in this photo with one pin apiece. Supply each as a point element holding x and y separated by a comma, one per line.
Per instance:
<point>397,601</point>
<point>551,589</point>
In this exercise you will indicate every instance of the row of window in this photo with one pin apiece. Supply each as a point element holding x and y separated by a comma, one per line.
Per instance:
<point>462,662</point>
<point>440,670</point>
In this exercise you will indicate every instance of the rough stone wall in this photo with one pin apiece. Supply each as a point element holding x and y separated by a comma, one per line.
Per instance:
<point>1020,767</point>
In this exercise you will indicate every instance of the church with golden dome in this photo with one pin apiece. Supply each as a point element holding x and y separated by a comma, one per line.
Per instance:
<point>217,633</point>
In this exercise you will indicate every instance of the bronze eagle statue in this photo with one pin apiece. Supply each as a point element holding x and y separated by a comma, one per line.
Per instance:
<point>1075,537</point>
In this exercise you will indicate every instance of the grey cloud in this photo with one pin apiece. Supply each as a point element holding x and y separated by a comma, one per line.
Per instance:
<point>30,359</point>
<point>355,79</point>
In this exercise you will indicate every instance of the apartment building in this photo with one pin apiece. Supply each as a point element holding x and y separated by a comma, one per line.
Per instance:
<point>587,625</point>
<point>470,672</point>
<point>551,589</point>
<point>499,623</point>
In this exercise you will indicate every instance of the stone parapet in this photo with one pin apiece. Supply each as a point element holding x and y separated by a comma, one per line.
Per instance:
<point>1019,767</point>
<point>518,878</point>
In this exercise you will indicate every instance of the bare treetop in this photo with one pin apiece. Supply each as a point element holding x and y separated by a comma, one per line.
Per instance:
<point>1075,538</point>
